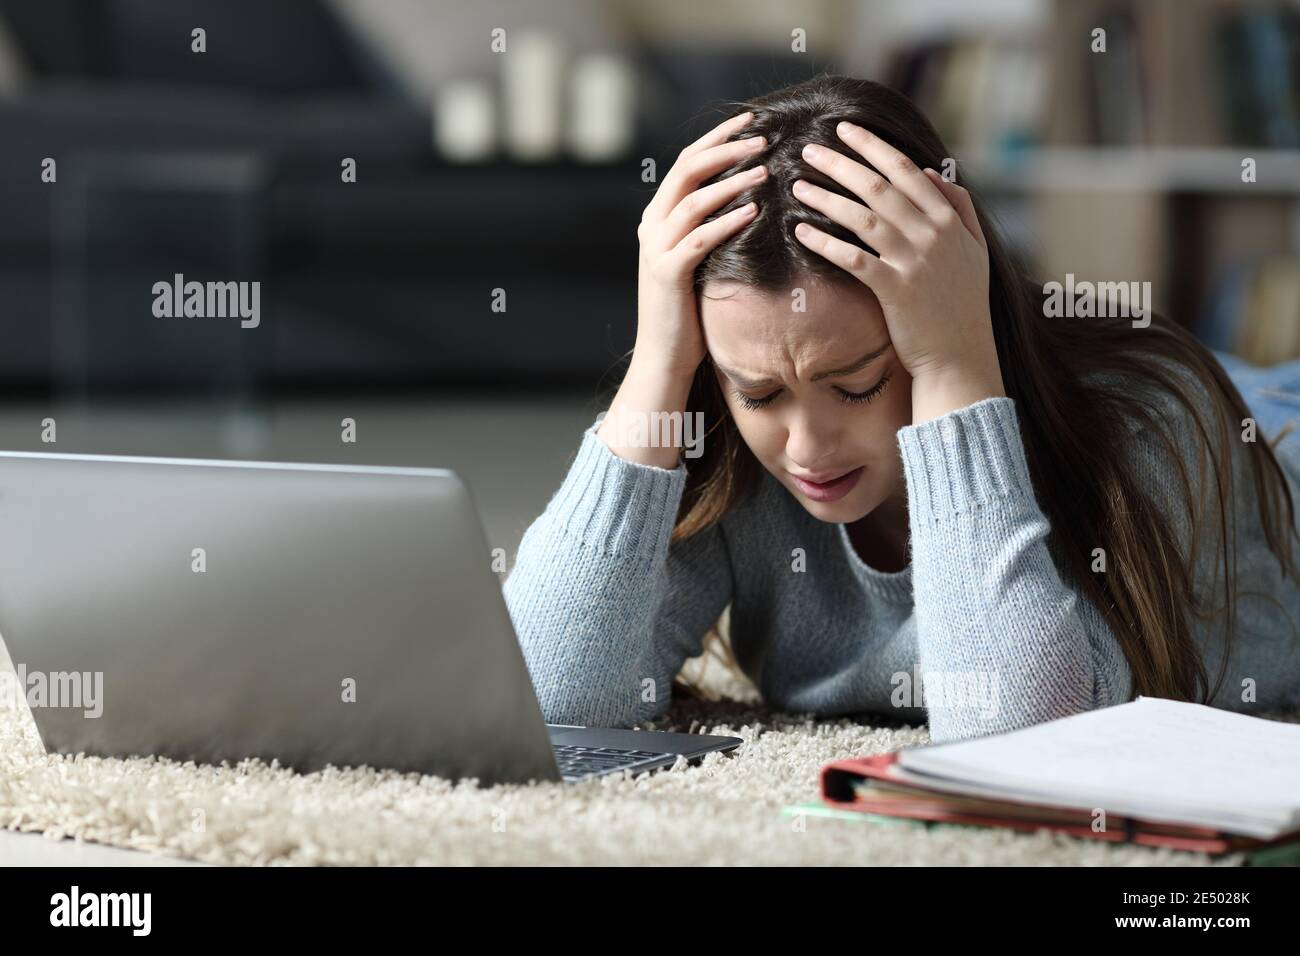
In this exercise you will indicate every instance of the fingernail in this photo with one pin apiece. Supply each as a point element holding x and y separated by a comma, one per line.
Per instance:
<point>758,172</point>
<point>812,151</point>
<point>802,230</point>
<point>755,142</point>
<point>845,128</point>
<point>800,187</point>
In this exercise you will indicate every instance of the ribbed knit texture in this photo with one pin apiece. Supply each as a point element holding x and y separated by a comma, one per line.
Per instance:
<point>607,611</point>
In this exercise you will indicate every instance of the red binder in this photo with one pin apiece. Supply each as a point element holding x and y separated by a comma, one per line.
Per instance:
<point>907,799</point>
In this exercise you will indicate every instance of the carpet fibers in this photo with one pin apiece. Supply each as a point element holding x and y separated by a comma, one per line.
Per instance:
<point>725,811</point>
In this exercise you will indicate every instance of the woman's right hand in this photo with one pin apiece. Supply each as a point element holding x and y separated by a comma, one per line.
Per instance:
<point>674,240</point>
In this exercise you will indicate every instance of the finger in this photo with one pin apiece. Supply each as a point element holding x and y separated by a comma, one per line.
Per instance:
<point>868,185</point>
<point>896,166</point>
<point>719,134</point>
<point>714,137</point>
<point>854,260</point>
<point>701,240</point>
<point>961,201</point>
<point>691,170</point>
<point>860,220</point>
<point>696,206</point>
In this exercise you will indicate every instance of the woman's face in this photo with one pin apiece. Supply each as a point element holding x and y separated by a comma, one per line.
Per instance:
<point>818,417</point>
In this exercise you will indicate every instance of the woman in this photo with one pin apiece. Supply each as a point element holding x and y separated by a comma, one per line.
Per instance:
<point>908,469</point>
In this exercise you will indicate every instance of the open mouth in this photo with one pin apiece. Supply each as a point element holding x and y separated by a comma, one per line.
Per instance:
<point>830,490</point>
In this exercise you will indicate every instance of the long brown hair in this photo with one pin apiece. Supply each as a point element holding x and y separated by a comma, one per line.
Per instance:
<point>1071,427</point>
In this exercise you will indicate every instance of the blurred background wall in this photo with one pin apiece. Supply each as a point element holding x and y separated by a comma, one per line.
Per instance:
<point>500,145</point>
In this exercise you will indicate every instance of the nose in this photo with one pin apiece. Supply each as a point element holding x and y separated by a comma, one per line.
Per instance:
<point>809,443</point>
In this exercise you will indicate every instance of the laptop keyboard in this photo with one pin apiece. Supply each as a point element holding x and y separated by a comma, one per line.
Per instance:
<point>578,762</point>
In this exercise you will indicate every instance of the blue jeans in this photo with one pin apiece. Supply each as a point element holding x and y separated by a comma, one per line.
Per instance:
<point>1272,394</point>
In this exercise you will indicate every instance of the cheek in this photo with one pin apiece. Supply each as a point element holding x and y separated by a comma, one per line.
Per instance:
<point>874,438</point>
<point>866,433</point>
<point>901,399</point>
<point>890,412</point>
<point>762,432</point>
<point>895,410</point>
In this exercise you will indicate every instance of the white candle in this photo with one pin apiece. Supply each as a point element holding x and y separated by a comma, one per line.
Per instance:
<point>603,112</point>
<point>464,121</point>
<point>531,84</point>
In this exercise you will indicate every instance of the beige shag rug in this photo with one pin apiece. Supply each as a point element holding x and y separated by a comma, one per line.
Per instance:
<point>726,811</point>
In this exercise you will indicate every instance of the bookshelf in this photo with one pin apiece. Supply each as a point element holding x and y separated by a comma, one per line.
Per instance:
<point>1198,170</point>
<point>1127,164</point>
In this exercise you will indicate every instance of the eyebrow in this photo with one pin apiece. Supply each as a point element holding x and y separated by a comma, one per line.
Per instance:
<point>745,381</point>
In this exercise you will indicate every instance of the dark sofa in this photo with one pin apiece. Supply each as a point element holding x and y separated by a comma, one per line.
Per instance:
<point>226,165</point>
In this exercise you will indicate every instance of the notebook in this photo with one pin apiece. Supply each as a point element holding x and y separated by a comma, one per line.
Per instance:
<point>1152,771</point>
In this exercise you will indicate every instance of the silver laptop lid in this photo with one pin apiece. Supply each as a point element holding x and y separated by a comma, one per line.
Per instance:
<point>316,614</point>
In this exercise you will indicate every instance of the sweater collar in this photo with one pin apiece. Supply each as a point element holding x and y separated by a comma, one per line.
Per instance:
<point>892,586</point>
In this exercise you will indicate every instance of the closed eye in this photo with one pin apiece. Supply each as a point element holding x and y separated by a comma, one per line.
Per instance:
<point>749,402</point>
<point>849,398</point>
<point>854,398</point>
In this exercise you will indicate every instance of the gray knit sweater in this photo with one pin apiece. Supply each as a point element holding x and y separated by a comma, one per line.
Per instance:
<point>978,634</point>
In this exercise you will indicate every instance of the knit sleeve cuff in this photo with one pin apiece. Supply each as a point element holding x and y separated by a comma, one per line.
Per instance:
<point>968,458</point>
<point>618,506</point>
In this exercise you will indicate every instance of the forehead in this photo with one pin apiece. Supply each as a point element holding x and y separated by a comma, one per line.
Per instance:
<point>750,328</point>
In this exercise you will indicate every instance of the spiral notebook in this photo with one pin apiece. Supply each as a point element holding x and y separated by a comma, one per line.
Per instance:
<point>1151,771</point>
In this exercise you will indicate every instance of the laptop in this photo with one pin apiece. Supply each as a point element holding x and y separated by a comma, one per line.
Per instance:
<point>316,615</point>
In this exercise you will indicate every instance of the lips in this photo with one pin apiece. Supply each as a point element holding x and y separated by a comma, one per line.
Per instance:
<point>824,477</point>
<point>835,485</point>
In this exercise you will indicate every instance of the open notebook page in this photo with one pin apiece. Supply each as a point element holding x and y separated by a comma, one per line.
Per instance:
<point>1157,759</point>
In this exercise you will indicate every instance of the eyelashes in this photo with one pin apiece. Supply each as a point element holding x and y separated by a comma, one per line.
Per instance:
<point>854,398</point>
<point>753,403</point>
<point>849,398</point>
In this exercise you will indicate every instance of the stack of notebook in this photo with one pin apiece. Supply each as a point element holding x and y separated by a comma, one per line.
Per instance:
<point>1153,771</point>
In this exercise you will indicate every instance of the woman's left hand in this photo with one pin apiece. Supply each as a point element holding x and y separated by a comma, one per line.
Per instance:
<point>932,272</point>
